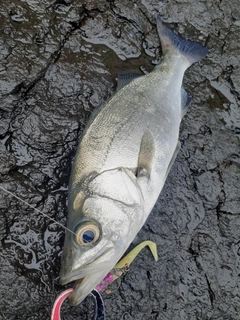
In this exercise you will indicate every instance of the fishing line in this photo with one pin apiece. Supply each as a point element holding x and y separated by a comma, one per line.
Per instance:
<point>44,214</point>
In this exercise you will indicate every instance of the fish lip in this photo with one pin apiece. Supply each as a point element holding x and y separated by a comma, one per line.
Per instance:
<point>82,289</point>
<point>67,279</point>
<point>77,283</point>
<point>89,275</point>
<point>80,274</point>
<point>73,276</point>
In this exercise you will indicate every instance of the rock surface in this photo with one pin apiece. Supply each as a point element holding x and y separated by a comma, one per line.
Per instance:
<point>58,62</point>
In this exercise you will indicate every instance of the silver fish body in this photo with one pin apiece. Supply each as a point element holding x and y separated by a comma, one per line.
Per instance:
<point>121,164</point>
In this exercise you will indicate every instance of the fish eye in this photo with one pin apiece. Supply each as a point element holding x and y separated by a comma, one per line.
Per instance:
<point>87,234</point>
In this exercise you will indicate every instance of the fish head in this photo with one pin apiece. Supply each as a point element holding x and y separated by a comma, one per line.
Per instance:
<point>111,215</point>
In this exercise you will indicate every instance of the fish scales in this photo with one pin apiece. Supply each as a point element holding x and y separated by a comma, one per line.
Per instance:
<point>127,115</point>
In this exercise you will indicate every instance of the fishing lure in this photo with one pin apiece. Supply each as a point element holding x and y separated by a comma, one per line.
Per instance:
<point>121,267</point>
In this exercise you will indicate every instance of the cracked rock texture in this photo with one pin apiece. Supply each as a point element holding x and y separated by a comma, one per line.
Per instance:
<point>58,62</point>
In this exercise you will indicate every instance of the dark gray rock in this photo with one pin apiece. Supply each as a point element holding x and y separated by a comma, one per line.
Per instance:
<point>59,62</point>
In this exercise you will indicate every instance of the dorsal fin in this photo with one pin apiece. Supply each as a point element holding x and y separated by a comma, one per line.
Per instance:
<point>125,77</point>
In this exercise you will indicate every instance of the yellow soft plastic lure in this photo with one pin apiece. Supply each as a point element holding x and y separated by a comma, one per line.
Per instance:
<point>123,265</point>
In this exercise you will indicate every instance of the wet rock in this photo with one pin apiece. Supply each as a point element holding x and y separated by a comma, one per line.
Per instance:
<point>59,62</point>
<point>7,160</point>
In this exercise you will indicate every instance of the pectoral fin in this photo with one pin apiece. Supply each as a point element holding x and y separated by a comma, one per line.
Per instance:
<point>146,154</point>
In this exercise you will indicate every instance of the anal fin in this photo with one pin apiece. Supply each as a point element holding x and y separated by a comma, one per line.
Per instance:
<point>186,100</point>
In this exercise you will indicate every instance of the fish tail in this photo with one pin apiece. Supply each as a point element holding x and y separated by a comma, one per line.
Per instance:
<point>170,40</point>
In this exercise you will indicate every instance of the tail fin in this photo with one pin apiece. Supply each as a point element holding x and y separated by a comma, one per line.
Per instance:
<point>171,40</point>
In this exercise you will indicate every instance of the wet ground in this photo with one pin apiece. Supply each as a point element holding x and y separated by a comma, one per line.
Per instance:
<point>59,61</point>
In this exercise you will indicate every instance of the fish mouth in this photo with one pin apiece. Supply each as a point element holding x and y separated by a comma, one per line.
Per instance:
<point>88,276</point>
<point>82,288</point>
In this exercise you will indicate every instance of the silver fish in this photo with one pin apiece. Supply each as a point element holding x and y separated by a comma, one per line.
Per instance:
<point>121,164</point>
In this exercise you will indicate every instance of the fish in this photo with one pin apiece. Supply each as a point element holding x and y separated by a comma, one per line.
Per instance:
<point>122,161</point>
